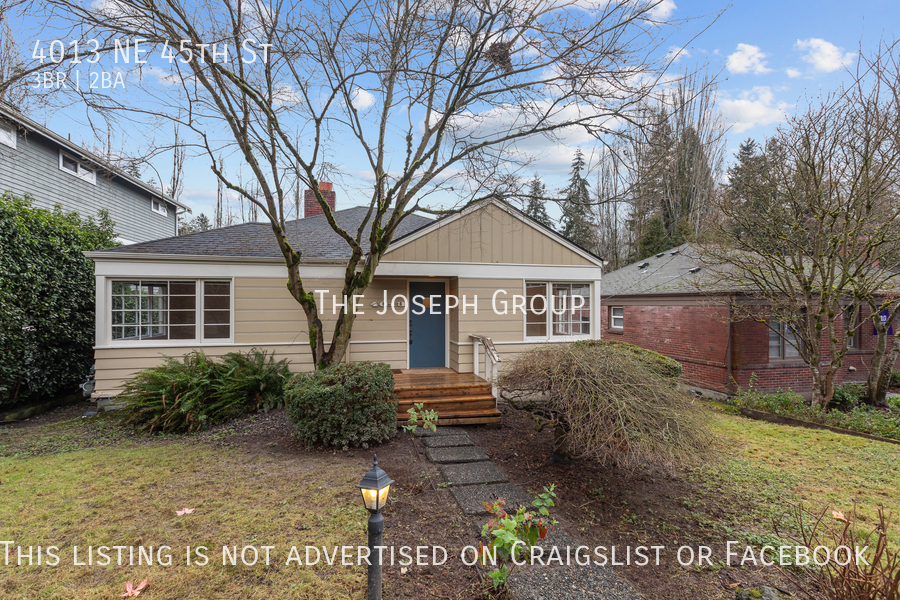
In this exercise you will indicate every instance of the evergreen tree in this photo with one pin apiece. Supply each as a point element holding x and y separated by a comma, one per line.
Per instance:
<point>655,239</point>
<point>535,205</point>
<point>577,224</point>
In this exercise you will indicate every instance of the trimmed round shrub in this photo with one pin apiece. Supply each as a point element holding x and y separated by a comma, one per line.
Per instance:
<point>344,406</point>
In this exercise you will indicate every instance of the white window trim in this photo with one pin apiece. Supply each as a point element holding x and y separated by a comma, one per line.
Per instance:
<point>162,210</point>
<point>8,134</point>
<point>89,174</point>
<point>200,340</point>
<point>548,290</point>
<point>612,318</point>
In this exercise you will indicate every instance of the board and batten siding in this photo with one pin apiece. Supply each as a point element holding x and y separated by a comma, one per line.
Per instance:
<point>32,168</point>
<point>268,318</point>
<point>490,235</point>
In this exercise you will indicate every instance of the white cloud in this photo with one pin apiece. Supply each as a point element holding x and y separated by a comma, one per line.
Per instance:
<point>675,54</point>
<point>361,99</point>
<point>663,10</point>
<point>793,73</point>
<point>747,59</point>
<point>753,108</point>
<point>824,56</point>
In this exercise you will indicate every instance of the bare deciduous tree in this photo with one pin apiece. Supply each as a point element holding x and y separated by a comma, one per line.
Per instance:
<point>432,95</point>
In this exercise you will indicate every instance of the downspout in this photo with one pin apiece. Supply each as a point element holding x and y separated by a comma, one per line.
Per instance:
<point>728,351</point>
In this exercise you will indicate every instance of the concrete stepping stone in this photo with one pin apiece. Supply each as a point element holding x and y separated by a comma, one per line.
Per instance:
<point>471,498</point>
<point>461,454</point>
<point>570,583</point>
<point>419,432</point>
<point>447,441</point>
<point>472,473</point>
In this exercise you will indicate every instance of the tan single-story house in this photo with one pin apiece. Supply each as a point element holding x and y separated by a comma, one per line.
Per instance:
<point>224,290</point>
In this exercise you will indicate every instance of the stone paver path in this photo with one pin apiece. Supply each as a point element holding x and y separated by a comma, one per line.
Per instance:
<point>474,480</point>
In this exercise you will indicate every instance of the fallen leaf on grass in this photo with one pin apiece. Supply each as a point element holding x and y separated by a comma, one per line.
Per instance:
<point>132,591</point>
<point>838,515</point>
<point>185,511</point>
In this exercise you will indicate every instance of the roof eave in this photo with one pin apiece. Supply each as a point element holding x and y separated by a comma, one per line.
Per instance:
<point>150,256</point>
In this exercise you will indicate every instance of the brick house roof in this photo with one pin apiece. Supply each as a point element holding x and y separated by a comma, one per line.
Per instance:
<point>313,237</point>
<point>670,272</point>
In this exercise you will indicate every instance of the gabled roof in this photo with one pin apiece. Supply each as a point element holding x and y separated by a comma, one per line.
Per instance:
<point>13,114</point>
<point>670,272</point>
<point>313,237</point>
<point>510,209</point>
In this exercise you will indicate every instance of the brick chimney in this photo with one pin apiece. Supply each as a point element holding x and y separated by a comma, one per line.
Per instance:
<point>311,206</point>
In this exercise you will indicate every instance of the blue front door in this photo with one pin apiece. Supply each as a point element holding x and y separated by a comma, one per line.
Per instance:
<point>427,331</point>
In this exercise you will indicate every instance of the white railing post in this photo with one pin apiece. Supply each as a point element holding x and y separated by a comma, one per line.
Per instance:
<point>475,345</point>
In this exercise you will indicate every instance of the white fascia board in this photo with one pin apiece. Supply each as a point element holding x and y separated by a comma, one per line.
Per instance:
<point>488,271</point>
<point>447,220</point>
<point>143,265</point>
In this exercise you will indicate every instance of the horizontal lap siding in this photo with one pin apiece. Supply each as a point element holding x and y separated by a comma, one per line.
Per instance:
<point>267,317</point>
<point>32,168</point>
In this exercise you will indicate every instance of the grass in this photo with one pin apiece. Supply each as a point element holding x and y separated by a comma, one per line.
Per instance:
<point>767,468</point>
<point>127,494</point>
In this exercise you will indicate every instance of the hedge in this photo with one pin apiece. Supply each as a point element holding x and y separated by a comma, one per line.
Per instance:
<point>46,298</point>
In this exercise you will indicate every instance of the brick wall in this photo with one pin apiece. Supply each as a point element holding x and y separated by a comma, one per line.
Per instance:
<point>311,206</point>
<point>696,335</point>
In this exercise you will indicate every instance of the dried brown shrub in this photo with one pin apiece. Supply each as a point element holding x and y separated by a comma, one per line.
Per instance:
<point>606,405</point>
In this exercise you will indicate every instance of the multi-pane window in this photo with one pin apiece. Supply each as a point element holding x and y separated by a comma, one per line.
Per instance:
<point>617,317</point>
<point>567,313</point>
<point>7,134</point>
<point>782,341</point>
<point>158,207</point>
<point>72,165</point>
<point>168,310</point>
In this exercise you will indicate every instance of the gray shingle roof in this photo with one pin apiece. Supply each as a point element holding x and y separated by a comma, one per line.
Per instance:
<point>312,237</point>
<point>665,274</point>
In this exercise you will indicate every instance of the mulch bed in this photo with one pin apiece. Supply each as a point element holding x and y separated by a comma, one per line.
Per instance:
<point>607,506</point>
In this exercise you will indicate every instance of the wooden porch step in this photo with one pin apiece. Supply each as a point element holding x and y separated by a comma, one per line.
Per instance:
<point>459,389</point>
<point>458,416</point>
<point>449,403</point>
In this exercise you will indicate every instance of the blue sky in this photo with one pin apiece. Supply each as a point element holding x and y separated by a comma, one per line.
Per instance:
<point>771,57</point>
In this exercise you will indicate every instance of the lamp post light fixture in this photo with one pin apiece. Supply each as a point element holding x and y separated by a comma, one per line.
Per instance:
<point>375,487</point>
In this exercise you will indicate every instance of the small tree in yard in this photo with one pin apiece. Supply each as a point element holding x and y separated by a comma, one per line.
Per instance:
<point>816,227</point>
<point>46,298</point>
<point>433,97</point>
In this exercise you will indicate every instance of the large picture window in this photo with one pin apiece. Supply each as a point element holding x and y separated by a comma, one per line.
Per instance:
<point>169,310</point>
<point>560,309</point>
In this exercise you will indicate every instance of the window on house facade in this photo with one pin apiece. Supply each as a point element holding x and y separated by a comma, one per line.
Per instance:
<point>7,134</point>
<point>557,309</point>
<point>782,341</point>
<point>616,317</point>
<point>851,329</point>
<point>170,310</point>
<point>72,165</point>
<point>158,207</point>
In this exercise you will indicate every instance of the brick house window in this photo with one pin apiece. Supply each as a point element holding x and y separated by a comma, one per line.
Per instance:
<point>170,310</point>
<point>616,317</point>
<point>566,314</point>
<point>782,341</point>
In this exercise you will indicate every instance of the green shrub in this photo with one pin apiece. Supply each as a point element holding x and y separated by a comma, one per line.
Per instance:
<point>194,392</point>
<point>848,395</point>
<point>656,362</point>
<point>344,406</point>
<point>46,298</point>
<point>895,378</point>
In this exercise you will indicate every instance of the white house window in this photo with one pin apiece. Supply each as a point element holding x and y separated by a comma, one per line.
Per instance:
<point>566,314</point>
<point>616,317</point>
<point>7,134</point>
<point>170,310</point>
<point>70,164</point>
<point>782,341</point>
<point>158,207</point>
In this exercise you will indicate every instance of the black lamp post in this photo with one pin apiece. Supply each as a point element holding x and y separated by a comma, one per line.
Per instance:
<point>375,487</point>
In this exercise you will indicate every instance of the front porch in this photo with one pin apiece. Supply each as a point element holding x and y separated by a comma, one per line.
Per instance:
<point>458,398</point>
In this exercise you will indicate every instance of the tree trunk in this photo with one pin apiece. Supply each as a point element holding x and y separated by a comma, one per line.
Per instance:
<point>878,394</point>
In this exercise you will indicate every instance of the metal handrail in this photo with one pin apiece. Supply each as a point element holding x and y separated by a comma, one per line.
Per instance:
<point>491,359</point>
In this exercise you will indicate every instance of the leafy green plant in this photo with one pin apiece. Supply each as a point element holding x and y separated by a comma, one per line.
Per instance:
<point>429,418</point>
<point>194,392</point>
<point>344,406</point>
<point>46,298</point>
<point>515,534</point>
<point>895,378</point>
<point>848,395</point>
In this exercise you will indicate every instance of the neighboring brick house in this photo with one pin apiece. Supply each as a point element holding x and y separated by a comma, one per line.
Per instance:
<point>52,170</point>
<point>654,303</point>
